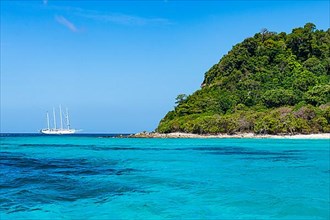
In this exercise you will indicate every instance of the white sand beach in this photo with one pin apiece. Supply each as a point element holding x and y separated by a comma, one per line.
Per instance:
<point>238,135</point>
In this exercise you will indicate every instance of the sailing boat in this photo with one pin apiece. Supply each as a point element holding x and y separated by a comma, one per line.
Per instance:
<point>60,130</point>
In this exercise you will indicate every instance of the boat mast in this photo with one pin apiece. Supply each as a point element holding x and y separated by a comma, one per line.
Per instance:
<point>47,120</point>
<point>67,119</point>
<point>54,118</point>
<point>61,117</point>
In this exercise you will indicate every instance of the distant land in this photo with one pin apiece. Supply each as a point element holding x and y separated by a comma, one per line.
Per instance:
<point>271,83</point>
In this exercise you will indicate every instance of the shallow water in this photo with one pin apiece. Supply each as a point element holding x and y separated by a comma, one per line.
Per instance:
<point>93,177</point>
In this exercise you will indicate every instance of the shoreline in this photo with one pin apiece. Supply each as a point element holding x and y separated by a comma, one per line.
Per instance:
<point>238,135</point>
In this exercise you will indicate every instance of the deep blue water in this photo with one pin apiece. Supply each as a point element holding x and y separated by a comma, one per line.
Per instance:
<point>99,177</point>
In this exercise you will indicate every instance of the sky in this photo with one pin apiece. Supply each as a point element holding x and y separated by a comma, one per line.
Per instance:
<point>119,65</point>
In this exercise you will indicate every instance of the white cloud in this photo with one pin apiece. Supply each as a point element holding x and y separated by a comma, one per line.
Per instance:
<point>119,18</point>
<point>65,22</point>
<point>115,18</point>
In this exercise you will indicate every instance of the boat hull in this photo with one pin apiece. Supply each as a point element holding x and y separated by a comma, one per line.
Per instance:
<point>58,131</point>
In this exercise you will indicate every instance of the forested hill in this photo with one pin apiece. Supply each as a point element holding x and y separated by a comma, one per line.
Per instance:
<point>270,83</point>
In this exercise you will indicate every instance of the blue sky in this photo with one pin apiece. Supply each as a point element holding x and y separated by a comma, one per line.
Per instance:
<point>118,65</point>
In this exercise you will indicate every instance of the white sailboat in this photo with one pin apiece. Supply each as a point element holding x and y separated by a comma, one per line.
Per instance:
<point>60,130</point>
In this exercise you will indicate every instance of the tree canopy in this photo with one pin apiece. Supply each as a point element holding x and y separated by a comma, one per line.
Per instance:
<point>269,83</point>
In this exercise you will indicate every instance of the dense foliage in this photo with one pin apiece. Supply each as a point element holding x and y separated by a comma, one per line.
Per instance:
<point>270,83</point>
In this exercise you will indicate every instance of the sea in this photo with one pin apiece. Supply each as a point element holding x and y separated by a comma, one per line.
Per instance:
<point>101,176</point>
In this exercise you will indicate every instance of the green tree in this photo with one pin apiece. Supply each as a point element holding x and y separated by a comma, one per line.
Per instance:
<point>180,98</point>
<point>268,83</point>
<point>279,97</point>
<point>318,95</point>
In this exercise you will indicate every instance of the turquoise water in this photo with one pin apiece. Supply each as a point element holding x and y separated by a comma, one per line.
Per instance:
<point>47,177</point>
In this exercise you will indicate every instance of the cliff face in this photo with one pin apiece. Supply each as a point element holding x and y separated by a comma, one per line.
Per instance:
<point>270,83</point>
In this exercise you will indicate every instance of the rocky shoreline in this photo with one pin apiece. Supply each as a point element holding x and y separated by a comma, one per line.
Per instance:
<point>238,135</point>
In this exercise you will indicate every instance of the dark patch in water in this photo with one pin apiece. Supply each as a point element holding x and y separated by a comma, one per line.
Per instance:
<point>294,151</point>
<point>51,145</point>
<point>273,158</point>
<point>127,148</point>
<point>229,150</point>
<point>254,154</point>
<point>206,148</point>
<point>31,181</point>
<point>216,148</point>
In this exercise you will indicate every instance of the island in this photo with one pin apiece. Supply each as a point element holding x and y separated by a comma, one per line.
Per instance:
<point>269,84</point>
